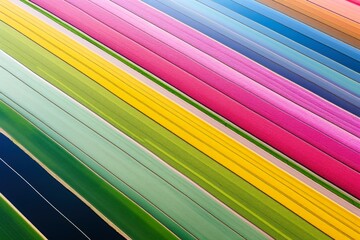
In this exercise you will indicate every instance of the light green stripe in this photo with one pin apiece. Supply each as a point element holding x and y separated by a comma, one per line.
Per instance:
<point>116,207</point>
<point>142,177</point>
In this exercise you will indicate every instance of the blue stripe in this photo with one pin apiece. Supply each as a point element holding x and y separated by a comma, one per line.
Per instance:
<point>260,43</point>
<point>330,57</point>
<point>345,101</point>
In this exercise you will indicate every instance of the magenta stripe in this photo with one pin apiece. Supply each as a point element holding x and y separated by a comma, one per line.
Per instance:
<point>298,121</point>
<point>244,65</point>
<point>357,2</point>
<point>282,140</point>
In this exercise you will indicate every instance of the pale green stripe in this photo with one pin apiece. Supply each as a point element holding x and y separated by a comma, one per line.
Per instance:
<point>125,165</point>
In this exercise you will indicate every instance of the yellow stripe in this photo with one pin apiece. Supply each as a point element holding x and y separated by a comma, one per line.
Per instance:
<point>320,211</point>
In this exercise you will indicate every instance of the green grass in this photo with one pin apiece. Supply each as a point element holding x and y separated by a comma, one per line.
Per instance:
<point>12,225</point>
<point>117,159</point>
<point>241,196</point>
<point>115,206</point>
<point>205,110</point>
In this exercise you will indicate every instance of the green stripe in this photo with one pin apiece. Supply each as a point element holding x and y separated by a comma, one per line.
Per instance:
<point>13,225</point>
<point>115,206</point>
<point>123,163</point>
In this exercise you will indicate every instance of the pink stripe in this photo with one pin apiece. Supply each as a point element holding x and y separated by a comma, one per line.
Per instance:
<point>282,140</point>
<point>251,69</point>
<point>357,2</point>
<point>232,83</point>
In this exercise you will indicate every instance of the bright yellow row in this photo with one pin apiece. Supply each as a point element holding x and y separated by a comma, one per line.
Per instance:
<point>293,194</point>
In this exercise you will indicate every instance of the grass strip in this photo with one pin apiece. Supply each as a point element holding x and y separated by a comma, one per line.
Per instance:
<point>125,165</point>
<point>121,211</point>
<point>13,225</point>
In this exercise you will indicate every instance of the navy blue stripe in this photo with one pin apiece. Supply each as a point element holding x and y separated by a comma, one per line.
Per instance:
<point>36,209</point>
